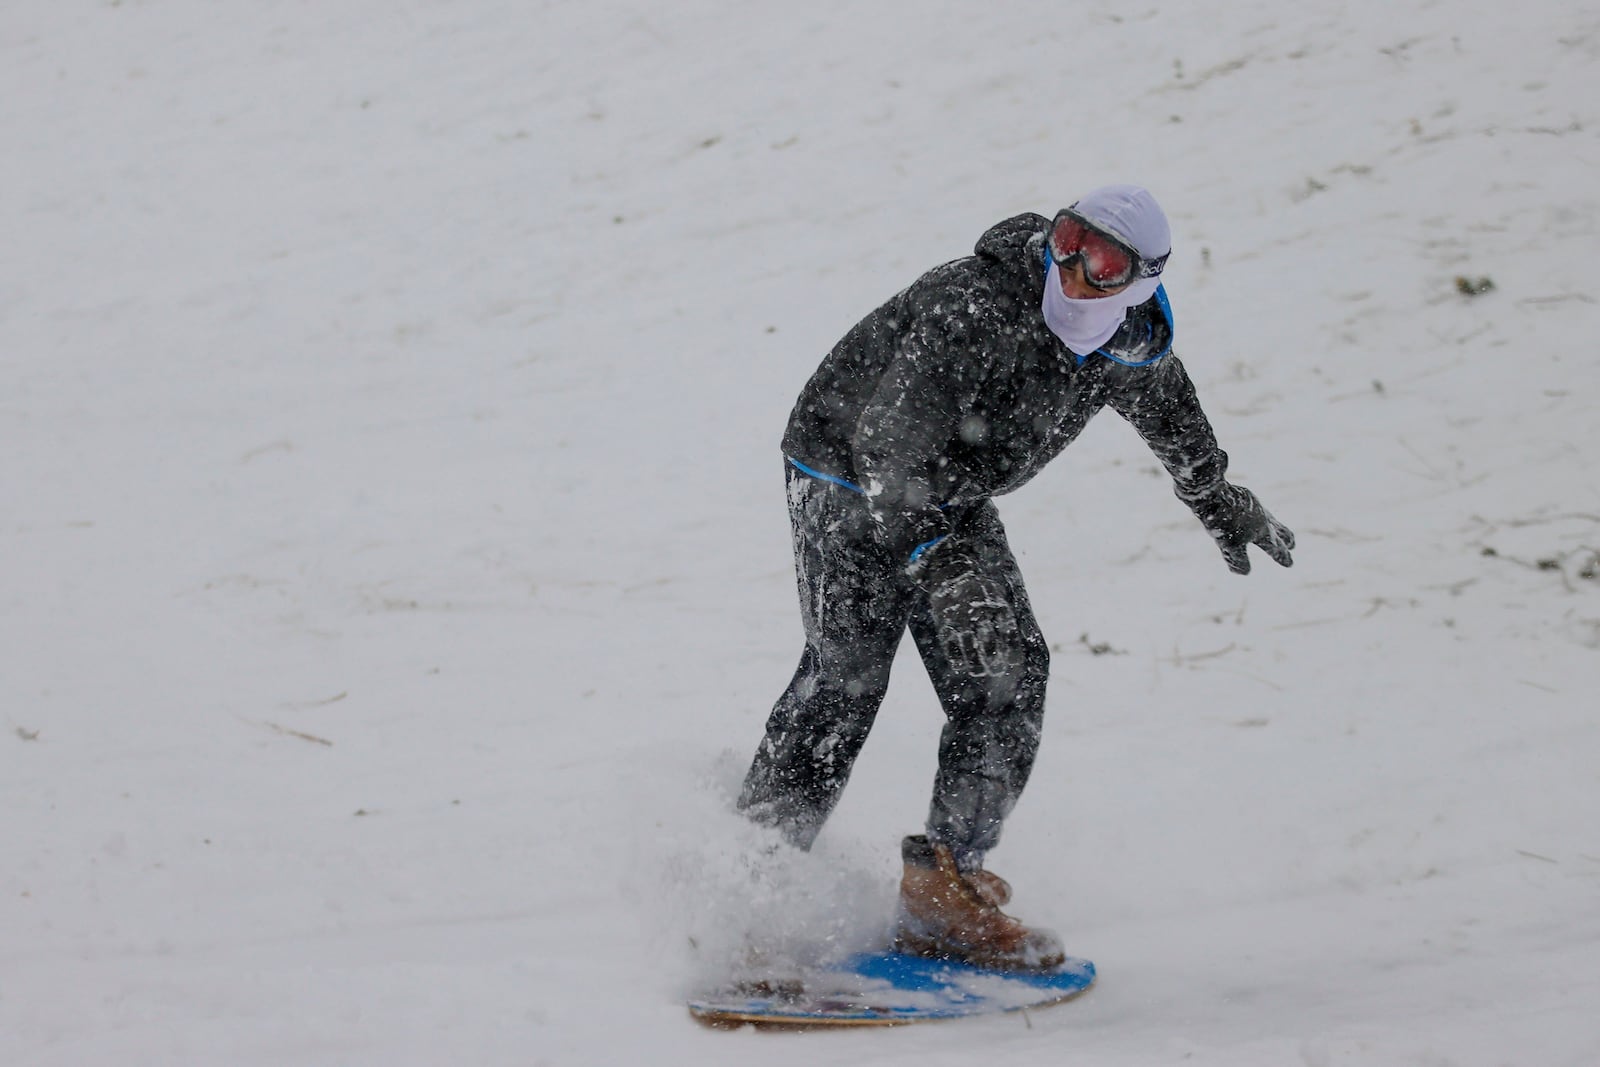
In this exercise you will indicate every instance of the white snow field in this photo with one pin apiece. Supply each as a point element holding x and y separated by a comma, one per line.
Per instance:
<point>394,567</point>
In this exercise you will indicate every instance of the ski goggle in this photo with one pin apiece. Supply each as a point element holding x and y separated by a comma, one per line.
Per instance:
<point>1108,261</point>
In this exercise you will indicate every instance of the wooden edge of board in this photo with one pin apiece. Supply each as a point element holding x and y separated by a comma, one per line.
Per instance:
<point>721,1019</point>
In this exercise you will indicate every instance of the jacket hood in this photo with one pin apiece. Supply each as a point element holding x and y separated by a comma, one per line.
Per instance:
<point>1019,243</point>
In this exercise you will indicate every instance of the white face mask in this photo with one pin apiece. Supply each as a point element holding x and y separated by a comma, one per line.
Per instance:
<point>1085,325</point>
<point>1133,214</point>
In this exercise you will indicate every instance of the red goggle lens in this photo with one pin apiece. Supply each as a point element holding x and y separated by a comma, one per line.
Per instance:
<point>1105,262</point>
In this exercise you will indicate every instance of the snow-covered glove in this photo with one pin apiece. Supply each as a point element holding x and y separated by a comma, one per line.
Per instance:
<point>973,617</point>
<point>1235,518</point>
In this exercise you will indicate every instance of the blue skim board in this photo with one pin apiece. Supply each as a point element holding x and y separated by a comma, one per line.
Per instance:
<point>888,989</point>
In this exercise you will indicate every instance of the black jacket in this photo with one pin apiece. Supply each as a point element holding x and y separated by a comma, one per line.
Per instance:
<point>955,390</point>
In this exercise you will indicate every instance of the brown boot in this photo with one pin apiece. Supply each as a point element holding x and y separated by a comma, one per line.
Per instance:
<point>990,887</point>
<point>949,915</point>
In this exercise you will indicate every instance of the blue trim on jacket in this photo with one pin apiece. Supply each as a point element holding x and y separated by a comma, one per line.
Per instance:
<point>803,469</point>
<point>1166,313</point>
<point>916,553</point>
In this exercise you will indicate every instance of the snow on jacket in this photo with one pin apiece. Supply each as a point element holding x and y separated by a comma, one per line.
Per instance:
<point>955,390</point>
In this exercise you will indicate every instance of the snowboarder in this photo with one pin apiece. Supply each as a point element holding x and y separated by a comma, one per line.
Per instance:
<point>957,390</point>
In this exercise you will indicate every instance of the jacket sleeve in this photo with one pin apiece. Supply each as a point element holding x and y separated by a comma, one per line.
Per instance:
<point>904,433</point>
<point>1160,401</point>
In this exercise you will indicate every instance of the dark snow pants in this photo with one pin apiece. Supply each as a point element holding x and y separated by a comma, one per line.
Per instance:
<point>856,603</point>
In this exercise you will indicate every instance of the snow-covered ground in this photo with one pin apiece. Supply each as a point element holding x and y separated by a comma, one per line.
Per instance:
<point>395,565</point>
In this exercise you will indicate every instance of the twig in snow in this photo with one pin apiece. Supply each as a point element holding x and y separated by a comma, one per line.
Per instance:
<point>1339,533</point>
<point>297,733</point>
<point>1100,648</point>
<point>1585,560</point>
<point>1565,516</point>
<point>324,702</point>
<point>1181,660</point>
<point>1379,603</point>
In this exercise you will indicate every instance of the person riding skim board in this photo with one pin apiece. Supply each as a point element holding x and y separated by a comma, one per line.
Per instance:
<point>958,390</point>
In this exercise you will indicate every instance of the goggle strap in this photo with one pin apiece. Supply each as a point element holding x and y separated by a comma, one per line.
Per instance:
<point>1149,268</point>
